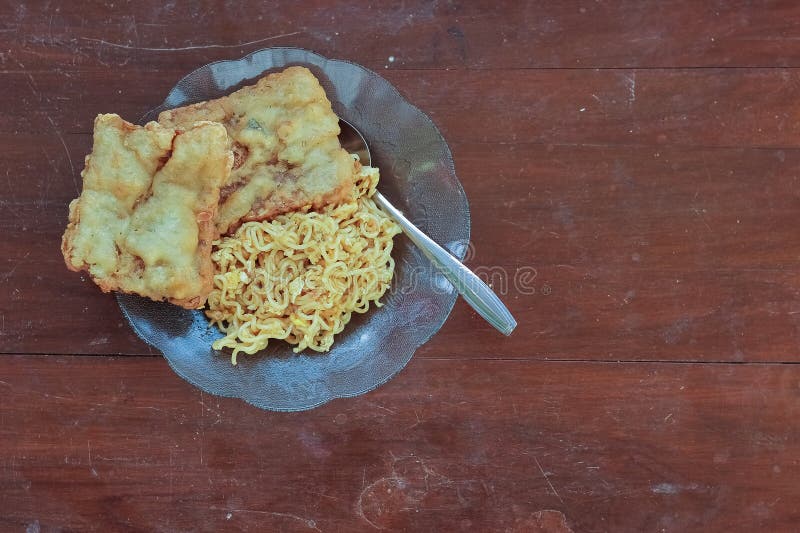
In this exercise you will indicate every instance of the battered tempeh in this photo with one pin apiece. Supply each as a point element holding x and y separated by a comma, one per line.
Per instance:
<point>287,156</point>
<point>144,221</point>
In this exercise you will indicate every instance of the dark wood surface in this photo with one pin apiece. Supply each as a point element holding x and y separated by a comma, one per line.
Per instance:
<point>639,158</point>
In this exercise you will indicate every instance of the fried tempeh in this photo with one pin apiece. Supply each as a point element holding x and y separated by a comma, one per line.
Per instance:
<point>144,221</point>
<point>287,155</point>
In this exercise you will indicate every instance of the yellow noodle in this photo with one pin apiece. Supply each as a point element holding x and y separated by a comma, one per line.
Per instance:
<point>301,276</point>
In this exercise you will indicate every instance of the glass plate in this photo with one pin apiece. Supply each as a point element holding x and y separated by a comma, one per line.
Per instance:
<point>417,175</point>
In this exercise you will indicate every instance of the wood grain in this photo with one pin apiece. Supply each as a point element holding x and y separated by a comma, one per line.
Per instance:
<point>133,447</point>
<point>632,165</point>
<point>627,253</point>
<point>692,107</point>
<point>621,230</point>
<point>417,34</point>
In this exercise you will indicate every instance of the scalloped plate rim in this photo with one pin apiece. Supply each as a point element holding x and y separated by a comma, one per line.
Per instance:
<point>460,254</point>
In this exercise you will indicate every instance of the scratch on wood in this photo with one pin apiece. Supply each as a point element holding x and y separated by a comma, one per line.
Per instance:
<point>7,205</point>
<point>66,151</point>
<point>34,90</point>
<point>197,47</point>
<point>373,404</point>
<point>91,466</point>
<point>307,521</point>
<point>31,82</point>
<point>546,478</point>
<point>415,424</point>
<point>670,488</point>
<point>700,213</point>
<point>406,487</point>
<point>631,81</point>
<point>515,223</point>
<point>323,495</point>
<point>135,29</point>
<point>8,274</point>
<point>48,181</point>
<point>202,429</point>
<point>149,407</point>
<point>359,508</point>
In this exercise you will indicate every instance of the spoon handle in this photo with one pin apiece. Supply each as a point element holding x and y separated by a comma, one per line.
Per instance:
<point>472,289</point>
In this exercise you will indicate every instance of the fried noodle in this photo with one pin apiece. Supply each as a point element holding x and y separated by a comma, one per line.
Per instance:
<point>301,276</point>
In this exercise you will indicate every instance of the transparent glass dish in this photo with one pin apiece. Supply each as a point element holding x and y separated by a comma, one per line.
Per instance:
<point>417,176</point>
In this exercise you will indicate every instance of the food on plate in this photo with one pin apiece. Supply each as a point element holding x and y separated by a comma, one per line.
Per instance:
<point>283,134</point>
<point>247,204</point>
<point>301,276</point>
<point>144,221</point>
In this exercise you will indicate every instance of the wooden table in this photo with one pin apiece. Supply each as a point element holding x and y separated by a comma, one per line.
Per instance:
<point>639,159</point>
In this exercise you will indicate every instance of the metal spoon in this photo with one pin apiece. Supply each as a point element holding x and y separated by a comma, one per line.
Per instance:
<point>472,289</point>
